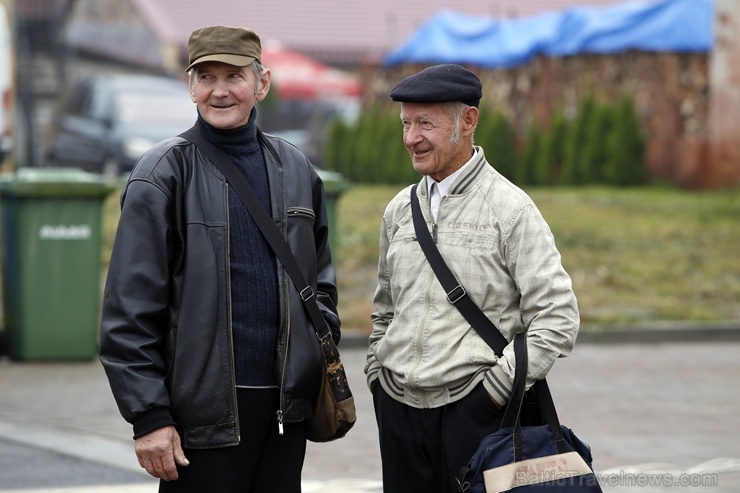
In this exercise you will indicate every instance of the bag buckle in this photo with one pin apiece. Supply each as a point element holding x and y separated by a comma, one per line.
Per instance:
<point>463,485</point>
<point>456,294</point>
<point>307,293</point>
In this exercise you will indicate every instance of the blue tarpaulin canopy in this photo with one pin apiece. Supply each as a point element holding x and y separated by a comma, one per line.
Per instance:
<point>669,25</point>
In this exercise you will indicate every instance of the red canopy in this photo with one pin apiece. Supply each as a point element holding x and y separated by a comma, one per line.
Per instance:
<point>300,77</point>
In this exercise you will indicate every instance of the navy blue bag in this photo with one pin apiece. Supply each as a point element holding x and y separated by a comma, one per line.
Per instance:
<point>529,459</point>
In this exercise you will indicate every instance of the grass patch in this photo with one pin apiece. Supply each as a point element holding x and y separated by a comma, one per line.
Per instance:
<point>635,255</point>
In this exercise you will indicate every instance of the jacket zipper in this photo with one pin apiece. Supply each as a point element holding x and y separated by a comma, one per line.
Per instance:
<point>230,325</point>
<point>286,309</point>
<point>301,212</point>
<point>280,421</point>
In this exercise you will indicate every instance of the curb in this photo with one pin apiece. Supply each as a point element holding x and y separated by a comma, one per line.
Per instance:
<point>661,332</point>
<point>73,443</point>
<point>647,333</point>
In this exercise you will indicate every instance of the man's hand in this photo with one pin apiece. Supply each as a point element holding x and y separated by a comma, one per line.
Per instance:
<point>159,452</point>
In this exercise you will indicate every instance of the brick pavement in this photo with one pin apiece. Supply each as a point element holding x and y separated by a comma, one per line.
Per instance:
<point>664,412</point>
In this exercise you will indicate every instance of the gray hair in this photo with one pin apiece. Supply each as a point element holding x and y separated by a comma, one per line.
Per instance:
<point>255,66</point>
<point>455,110</point>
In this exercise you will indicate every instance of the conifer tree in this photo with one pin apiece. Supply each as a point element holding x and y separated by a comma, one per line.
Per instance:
<point>626,163</point>
<point>527,171</point>
<point>573,172</point>
<point>552,151</point>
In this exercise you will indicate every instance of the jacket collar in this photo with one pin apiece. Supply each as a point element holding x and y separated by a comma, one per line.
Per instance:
<point>471,173</point>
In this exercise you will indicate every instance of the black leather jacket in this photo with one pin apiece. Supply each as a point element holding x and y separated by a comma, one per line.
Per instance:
<point>166,342</point>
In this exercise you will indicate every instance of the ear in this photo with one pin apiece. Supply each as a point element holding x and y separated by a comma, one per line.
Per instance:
<point>469,120</point>
<point>264,84</point>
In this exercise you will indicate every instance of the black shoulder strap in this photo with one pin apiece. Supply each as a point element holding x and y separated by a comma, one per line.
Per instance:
<point>456,294</point>
<point>271,233</point>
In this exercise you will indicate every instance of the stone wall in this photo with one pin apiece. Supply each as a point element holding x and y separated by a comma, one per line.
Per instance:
<point>670,91</point>
<point>724,121</point>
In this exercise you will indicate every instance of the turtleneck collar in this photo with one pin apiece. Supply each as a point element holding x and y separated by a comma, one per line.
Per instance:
<point>242,135</point>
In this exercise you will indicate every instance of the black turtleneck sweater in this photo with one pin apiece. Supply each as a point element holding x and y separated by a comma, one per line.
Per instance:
<point>254,287</point>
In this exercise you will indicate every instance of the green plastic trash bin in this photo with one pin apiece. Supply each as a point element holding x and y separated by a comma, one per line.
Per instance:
<point>334,186</point>
<point>51,223</point>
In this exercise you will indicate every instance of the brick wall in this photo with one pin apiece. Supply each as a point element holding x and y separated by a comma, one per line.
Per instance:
<point>724,122</point>
<point>670,91</point>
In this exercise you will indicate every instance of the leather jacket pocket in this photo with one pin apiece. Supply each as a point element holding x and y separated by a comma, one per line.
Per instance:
<point>301,213</point>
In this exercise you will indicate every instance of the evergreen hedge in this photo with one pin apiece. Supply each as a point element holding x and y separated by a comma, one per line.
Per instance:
<point>551,155</point>
<point>370,150</point>
<point>528,171</point>
<point>495,135</point>
<point>625,159</point>
<point>602,143</point>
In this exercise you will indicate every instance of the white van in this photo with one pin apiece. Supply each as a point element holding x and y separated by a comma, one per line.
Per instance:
<point>6,85</point>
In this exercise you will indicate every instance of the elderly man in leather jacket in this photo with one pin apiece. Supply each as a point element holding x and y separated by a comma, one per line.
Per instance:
<point>208,350</point>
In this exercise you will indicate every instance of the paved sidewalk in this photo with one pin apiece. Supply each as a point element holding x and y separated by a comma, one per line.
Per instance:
<point>659,417</point>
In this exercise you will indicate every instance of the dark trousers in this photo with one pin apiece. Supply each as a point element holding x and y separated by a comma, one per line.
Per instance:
<point>422,450</point>
<point>263,462</point>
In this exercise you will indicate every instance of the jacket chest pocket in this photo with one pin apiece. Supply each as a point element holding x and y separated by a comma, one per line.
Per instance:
<point>301,213</point>
<point>301,233</point>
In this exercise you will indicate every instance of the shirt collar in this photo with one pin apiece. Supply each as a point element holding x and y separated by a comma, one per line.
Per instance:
<point>443,187</point>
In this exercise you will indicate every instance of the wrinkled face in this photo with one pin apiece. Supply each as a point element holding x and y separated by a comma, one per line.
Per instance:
<point>436,147</point>
<point>225,94</point>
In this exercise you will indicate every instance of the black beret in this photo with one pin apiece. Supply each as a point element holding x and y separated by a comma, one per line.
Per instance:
<point>440,84</point>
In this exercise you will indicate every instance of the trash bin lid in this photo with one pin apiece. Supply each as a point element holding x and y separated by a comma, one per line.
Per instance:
<point>334,183</point>
<point>54,182</point>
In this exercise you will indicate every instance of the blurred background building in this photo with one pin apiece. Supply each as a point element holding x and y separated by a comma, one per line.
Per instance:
<point>335,58</point>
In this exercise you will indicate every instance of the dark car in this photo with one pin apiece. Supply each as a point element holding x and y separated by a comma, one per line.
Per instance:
<point>106,122</point>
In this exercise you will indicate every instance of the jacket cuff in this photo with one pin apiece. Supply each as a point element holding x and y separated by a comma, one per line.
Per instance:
<point>498,385</point>
<point>151,420</point>
<point>372,373</point>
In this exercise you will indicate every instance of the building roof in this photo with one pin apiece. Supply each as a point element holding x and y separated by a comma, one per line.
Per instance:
<point>667,25</point>
<point>335,31</point>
